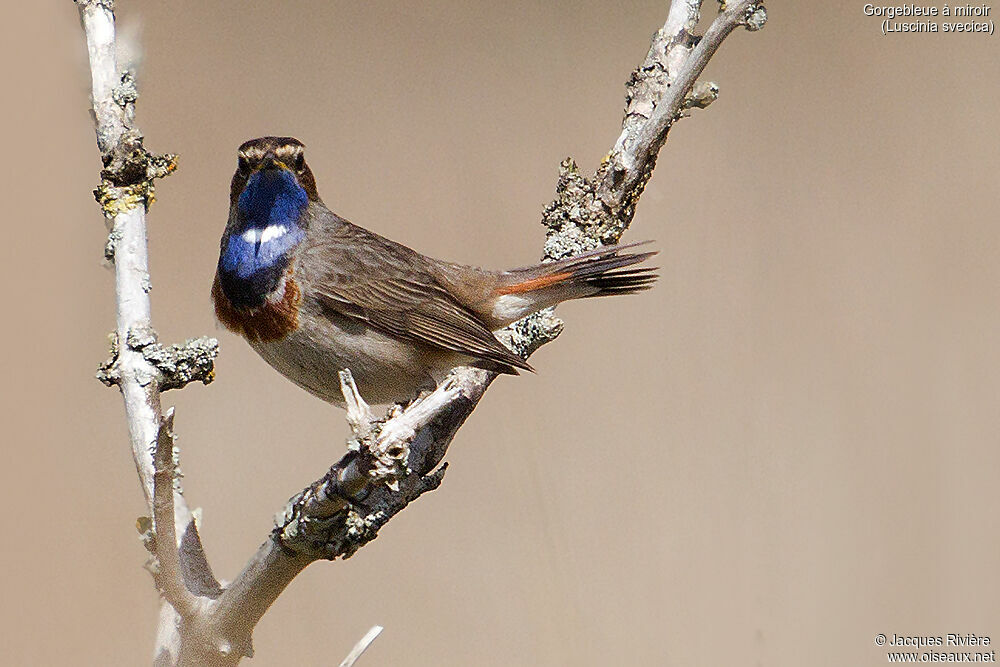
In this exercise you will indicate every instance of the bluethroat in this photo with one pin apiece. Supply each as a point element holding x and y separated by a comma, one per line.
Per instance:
<point>314,294</point>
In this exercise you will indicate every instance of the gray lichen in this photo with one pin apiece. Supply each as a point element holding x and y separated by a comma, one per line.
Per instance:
<point>111,246</point>
<point>176,365</point>
<point>125,93</point>
<point>703,94</point>
<point>179,364</point>
<point>571,220</point>
<point>756,17</point>
<point>528,334</point>
<point>107,372</point>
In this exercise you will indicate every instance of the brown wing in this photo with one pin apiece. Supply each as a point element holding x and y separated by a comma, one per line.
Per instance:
<point>391,288</point>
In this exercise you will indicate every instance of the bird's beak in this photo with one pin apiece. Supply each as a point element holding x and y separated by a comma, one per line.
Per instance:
<point>271,162</point>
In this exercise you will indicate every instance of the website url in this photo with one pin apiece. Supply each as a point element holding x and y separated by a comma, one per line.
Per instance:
<point>934,656</point>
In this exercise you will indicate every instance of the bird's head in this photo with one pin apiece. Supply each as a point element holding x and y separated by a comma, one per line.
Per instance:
<point>268,218</point>
<point>273,160</point>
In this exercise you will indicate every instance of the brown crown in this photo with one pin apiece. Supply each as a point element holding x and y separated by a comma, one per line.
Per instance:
<point>288,151</point>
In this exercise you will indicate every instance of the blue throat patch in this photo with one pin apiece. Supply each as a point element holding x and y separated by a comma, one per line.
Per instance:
<point>255,251</point>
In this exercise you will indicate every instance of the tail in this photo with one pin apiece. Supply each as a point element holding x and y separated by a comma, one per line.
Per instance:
<point>600,272</point>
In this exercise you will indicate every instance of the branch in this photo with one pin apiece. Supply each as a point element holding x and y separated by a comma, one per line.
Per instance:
<point>176,365</point>
<point>361,646</point>
<point>343,510</point>
<point>168,576</point>
<point>675,61</point>
<point>139,366</point>
<point>387,467</point>
<point>389,462</point>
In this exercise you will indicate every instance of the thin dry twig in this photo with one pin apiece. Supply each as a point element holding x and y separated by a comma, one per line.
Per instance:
<point>169,575</point>
<point>361,646</point>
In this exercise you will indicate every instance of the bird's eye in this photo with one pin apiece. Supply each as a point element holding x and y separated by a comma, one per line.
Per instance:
<point>244,165</point>
<point>300,161</point>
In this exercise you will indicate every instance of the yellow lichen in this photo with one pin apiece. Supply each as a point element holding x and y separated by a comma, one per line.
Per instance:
<point>117,200</point>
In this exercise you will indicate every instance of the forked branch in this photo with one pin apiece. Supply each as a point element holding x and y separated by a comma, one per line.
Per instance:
<point>389,462</point>
<point>344,509</point>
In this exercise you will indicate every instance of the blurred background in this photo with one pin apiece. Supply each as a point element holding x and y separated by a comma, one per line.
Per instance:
<point>788,446</point>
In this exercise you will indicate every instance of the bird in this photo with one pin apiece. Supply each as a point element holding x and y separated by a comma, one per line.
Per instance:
<point>314,294</point>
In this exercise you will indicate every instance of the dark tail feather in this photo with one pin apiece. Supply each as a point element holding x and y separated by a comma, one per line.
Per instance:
<point>623,282</point>
<point>603,268</point>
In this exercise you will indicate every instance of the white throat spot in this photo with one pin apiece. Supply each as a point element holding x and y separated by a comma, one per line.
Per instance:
<point>269,233</point>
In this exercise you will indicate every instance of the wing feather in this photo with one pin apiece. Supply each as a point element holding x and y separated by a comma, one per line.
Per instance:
<point>393,289</point>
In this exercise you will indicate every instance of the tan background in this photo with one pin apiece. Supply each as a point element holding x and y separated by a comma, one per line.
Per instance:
<point>788,446</point>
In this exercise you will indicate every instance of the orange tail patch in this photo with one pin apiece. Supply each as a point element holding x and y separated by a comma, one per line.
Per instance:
<point>535,283</point>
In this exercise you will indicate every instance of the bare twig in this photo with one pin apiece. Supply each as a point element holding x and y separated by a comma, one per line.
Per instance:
<point>623,183</point>
<point>359,416</point>
<point>135,376</point>
<point>361,646</point>
<point>169,576</point>
<point>139,367</point>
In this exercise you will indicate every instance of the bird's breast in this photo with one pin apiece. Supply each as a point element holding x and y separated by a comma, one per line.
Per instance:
<point>273,320</point>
